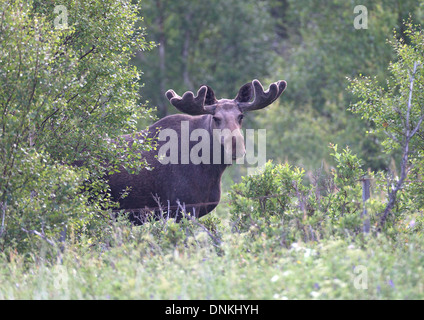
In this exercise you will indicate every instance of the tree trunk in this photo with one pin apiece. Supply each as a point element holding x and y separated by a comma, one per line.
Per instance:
<point>162,109</point>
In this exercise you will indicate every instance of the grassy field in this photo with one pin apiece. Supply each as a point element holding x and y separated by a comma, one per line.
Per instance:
<point>171,261</point>
<point>246,249</point>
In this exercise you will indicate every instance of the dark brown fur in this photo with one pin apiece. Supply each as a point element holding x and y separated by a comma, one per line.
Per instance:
<point>187,183</point>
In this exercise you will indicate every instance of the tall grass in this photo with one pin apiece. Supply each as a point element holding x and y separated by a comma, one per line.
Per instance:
<point>141,264</point>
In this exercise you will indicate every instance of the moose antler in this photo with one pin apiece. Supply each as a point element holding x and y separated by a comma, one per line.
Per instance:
<point>194,105</point>
<point>262,98</point>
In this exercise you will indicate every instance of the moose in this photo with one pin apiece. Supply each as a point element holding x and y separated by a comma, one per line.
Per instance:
<point>196,185</point>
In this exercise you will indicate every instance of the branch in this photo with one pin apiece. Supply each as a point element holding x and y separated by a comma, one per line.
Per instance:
<point>88,52</point>
<point>404,163</point>
<point>3,209</point>
<point>42,236</point>
<point>183,210</point>
<point>408,113</point>
<point>68,41</point>
<point>417,127</point>
<point>392,136</point>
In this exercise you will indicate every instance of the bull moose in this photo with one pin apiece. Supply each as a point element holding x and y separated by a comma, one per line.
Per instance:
<point>183,180</point>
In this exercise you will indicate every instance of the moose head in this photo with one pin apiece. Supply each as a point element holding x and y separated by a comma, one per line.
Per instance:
<point>227,114</point>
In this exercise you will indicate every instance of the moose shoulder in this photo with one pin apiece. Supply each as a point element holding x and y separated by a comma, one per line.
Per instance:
<point>182,172</point>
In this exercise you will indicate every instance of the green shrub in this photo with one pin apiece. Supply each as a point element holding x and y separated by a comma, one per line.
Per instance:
<point>65,92</point>
<point>281,204</point>
<point>45,198</point>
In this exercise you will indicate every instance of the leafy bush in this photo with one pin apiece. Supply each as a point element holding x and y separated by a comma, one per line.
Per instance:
<point>396,113</point>
<point>49,199</point>
<point>280,202</point>
<point>65,91</point>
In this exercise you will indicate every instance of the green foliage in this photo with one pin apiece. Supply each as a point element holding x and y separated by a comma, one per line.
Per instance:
<point>293,246</point>
<point>280,202</point>
<point>295,134</point>
<point>49,199</point>
<point>320,48</point>
<point>261,196</point>
<point>349,166</point>
<point>138,267</point>
<point>386,108</point>
<point>64,93</point>
<point>222,44</point>
<point>397,111</point>
<point>290,233</point>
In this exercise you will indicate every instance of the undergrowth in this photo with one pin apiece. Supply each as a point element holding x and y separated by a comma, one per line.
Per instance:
<point>282,237</point>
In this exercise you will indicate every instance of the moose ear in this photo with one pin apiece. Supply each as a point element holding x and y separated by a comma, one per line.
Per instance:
<point>245,93</point>
<point>210,97</point>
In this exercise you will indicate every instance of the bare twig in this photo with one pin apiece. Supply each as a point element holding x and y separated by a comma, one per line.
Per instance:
<point>205,203</point>
<point>194,220</point>
<point>3,215</point>
<point>365,197</point>
<point>157,200</point>
<point>169,209</point>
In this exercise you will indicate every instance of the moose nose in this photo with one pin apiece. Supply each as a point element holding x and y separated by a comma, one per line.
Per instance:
<point>234,143</point>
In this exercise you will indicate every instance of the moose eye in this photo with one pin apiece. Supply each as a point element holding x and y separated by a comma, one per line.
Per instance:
<point>217,120</point>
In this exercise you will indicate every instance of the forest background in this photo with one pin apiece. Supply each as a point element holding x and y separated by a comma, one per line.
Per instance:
<point>337,213</point>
